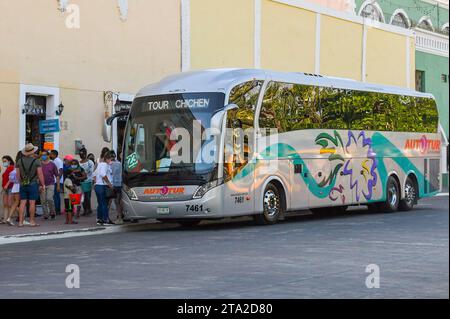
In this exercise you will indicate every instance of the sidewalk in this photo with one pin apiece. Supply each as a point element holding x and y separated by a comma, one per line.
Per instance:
<point>55,225</point>
<point>57,228</point>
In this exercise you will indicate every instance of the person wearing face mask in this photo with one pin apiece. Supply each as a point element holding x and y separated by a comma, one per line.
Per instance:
<point>51,174</point>
<point>8,167</point>
<point>88,166</point>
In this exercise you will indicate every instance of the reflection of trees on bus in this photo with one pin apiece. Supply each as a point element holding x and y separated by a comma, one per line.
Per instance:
<point>289,107</point>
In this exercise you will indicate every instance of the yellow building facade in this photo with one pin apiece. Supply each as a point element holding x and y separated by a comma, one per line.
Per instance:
<point>75,51</point>
<point>87,54</point>
<point>296,35</point>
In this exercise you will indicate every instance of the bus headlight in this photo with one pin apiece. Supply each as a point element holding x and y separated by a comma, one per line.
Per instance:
<point>202,190</point>
<point>130,192</point>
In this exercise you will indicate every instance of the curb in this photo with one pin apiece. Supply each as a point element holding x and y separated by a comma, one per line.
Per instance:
<point>89,231</point>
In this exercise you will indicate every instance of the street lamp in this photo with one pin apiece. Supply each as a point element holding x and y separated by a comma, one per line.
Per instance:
<point>60,109</point>
<point>28,106</point>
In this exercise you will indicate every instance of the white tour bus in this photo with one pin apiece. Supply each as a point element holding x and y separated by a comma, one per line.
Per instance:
<point>279,142</point>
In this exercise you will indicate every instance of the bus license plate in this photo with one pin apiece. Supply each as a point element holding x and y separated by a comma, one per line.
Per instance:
<point>162,210</point>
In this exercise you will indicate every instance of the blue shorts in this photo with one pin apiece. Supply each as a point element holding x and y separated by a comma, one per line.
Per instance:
<point>29,192</point>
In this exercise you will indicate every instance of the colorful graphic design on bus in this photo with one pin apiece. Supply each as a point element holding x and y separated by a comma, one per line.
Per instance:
<point>362,176</point>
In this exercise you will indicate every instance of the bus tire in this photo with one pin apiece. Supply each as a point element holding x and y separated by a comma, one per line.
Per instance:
<point>392,201</point>
<point>410,195</point>
<point>272,206</point>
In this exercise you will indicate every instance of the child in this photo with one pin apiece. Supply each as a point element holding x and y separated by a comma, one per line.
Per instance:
<point>79,176</point>
<point>69,188</point>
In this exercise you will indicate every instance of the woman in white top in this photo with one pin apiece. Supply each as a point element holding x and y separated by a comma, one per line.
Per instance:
<point>102,178</point>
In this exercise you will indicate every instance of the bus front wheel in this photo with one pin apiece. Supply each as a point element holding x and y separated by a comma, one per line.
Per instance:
<point>272,206</point>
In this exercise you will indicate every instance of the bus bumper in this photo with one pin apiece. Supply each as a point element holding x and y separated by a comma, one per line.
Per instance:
<point>209,206</point>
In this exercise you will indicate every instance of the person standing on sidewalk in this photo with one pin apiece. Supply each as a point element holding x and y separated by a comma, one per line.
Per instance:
<point>15,193</point>
<point>29,172</point>
<point>8,166</point>
<point>116,170</point>
<point>86,186</point>
<point>51,175</point>
<point>59,165</point>
<point>102,181</point>
<point>69,189</point>
<point>104,151</point>
<point>79,177</point>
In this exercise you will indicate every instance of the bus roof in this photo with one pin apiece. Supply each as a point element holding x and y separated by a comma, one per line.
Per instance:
<point>222,80</point>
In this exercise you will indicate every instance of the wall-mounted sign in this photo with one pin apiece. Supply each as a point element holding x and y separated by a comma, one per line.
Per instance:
<point>48,146</point>
<point>49,126</point>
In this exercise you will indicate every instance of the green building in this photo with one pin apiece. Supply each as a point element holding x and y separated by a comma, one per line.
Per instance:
<point>429,20</point>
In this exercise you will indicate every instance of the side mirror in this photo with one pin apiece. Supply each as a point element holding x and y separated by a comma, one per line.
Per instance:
<point>217,118</point>
<point>106,131</point>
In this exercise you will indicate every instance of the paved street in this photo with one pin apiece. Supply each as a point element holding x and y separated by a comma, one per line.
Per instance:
<point>303,257</point>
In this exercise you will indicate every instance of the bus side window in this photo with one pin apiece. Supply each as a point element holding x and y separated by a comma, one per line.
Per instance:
<point>428,114</point>
<point>288,107</point>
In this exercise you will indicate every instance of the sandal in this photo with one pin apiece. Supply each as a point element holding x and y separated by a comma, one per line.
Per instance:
<point>34,225</point>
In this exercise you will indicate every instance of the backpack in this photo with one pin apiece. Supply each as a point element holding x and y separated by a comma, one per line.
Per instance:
<point>25,177</point>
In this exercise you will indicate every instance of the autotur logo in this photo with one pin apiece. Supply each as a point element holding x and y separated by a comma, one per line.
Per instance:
<point>423,145</point>
<point>164,191</point>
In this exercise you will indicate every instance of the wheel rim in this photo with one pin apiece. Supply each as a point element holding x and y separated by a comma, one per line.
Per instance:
<point>410,194</point>
<point>393,195</point>
<point>271,203</point>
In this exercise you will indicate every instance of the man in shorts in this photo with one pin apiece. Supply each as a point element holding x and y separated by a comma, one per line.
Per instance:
<point>29,173</point>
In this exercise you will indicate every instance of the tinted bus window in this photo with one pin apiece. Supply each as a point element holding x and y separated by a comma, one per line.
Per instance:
<point>287,107</point>
<point>245,96</point>
<point>428,114</point>
<point>383,112</point>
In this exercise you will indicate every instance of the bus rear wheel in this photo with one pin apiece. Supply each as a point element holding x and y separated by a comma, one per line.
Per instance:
<point>272,206</point>
<point>392,197</point>
<point>410,196</point>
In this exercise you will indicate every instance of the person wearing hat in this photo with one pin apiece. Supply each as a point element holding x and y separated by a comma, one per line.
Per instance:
<point>29,173</point>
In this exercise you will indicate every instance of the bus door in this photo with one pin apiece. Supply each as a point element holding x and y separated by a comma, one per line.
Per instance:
<point>239,172</point>
<point>238,175</point>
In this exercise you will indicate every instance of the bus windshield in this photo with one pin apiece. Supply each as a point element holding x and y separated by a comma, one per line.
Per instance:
<point>169,138</point>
